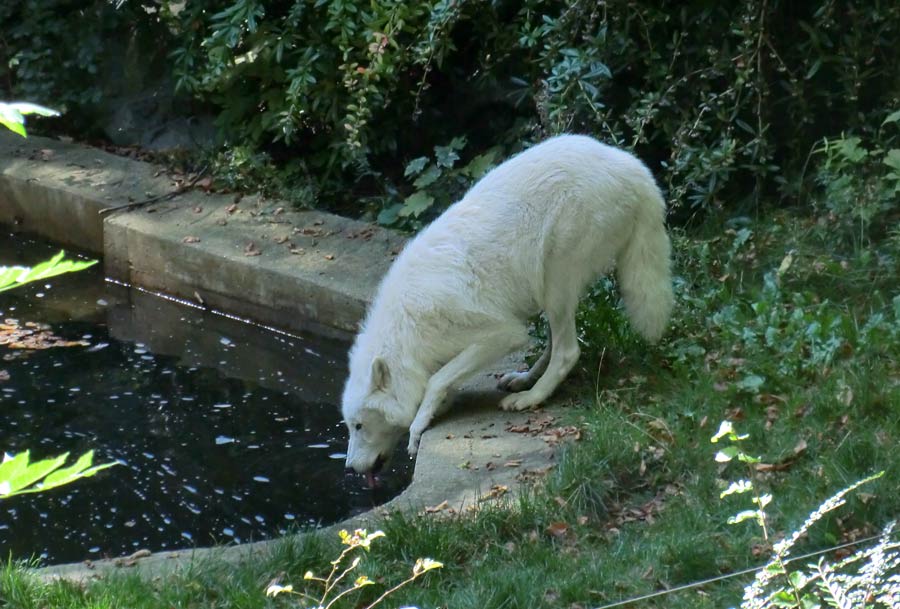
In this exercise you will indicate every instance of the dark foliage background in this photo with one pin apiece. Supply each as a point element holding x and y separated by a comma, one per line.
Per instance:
<point>393,107</point>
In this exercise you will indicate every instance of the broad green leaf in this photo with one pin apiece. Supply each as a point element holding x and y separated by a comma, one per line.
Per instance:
<point>415,166</point>
<point>13,277</point>
<point>12,115</point>
<point>12,119</point>
<point>751,383</point>
<point>798,579</point>
<point>783,598</point>
<point>29,108</point>
<point>416,203</point>
<point>389,215</point>
<point>892,159</point>
<point>12,466</point>
<point>35,472</point>
<point>19,477</point>
<point>893,117</point>
<point>427,177</point>
<point>446,155</point>
<point>480,165</point>
<point>82,468</point>
<point>727,454</point>
<point>850,149</point>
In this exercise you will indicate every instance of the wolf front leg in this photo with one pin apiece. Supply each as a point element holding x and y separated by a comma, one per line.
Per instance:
<point>491,346</point>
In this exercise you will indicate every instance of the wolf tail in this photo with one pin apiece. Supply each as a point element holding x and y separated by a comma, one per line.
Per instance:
<point>644,268</point>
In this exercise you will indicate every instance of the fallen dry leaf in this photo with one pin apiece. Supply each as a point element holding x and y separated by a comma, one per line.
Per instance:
<point>557,529</point>
<point>33,336</point>
<point>437,508</point>
<point>497,490</point>
<point>251,250</point>
<point>191,239</point>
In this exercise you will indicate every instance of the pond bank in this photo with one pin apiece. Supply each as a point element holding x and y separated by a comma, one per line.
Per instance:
<point>252,257</point>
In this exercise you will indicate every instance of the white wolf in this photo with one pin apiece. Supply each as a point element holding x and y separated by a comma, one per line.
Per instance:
<point>529,237</point>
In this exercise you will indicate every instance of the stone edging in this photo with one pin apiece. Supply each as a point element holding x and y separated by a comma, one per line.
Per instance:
<point>296,270</point>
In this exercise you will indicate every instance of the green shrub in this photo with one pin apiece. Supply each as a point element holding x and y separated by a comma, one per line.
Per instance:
<point>725,101</point>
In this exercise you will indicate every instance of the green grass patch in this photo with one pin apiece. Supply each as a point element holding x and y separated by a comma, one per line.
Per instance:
<point>781,327</point>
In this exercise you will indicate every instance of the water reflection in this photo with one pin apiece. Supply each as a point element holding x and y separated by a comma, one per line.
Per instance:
<point>227,432</point>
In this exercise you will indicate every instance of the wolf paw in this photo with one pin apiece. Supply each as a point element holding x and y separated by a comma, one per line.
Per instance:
<point>515,381</point>
<point>519,401</point>
<point>413,446</point>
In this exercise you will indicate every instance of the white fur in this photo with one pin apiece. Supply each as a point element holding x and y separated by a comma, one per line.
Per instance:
<point>528,237</point>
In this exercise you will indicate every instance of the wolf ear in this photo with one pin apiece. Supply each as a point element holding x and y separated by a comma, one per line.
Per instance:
<point>381,376</point>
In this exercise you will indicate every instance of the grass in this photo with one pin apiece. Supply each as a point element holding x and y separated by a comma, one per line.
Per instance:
<point>782,326</point>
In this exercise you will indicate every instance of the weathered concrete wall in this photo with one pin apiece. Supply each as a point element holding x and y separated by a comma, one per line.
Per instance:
<point>251,257</point>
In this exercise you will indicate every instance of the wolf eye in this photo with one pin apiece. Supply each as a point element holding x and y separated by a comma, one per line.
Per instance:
<point>358,426</point>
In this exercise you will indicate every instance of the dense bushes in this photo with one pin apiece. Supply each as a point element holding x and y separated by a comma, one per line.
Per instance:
<point>724,100</point>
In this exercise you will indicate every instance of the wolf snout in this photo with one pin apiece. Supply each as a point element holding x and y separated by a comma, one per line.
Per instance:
<point>366,468</point>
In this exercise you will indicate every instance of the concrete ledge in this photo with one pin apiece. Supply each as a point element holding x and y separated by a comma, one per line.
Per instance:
<point>249,256</point>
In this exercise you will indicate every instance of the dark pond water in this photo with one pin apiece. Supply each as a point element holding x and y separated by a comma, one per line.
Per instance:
<point>228,432</point>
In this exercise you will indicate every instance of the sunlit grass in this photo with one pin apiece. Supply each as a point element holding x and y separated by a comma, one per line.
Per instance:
<point>634,506</point>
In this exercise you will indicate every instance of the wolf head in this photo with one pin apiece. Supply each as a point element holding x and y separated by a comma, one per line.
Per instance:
<point>371,411</point>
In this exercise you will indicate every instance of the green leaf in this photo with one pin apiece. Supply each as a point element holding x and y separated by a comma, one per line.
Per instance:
<point>850,149</point>
<point>415,166</point>
<point>745,458</point>
<point>783,598</point>
<point>12,467</point>
<point>34,472</point>
<point>416,203</point>
<point>389,215</point>
<point>814,68</point>
<point>727,454</point>
<point>725,428</point>
<point>740,486</point>
<point>480,165</point>
<point>893,117</point>
<point>28,108</point>
<point>745,515</point>
<point>19,477</point>
<point>892,160</point>
<point>763,500</point>
<point>13,277</point>
<point>12,115</point>
<point>428,177</point>
<point>82,468</point>
<point>446,155</point>
<point>798,579</point>
<point>751,383</point>
<point>12,119</point>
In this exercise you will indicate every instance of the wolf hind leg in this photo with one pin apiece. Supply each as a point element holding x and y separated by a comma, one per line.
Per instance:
<point>516,381</point>
<point>563,349</point>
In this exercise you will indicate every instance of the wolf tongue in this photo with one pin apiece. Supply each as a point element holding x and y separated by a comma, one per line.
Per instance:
<point>370,480</point>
